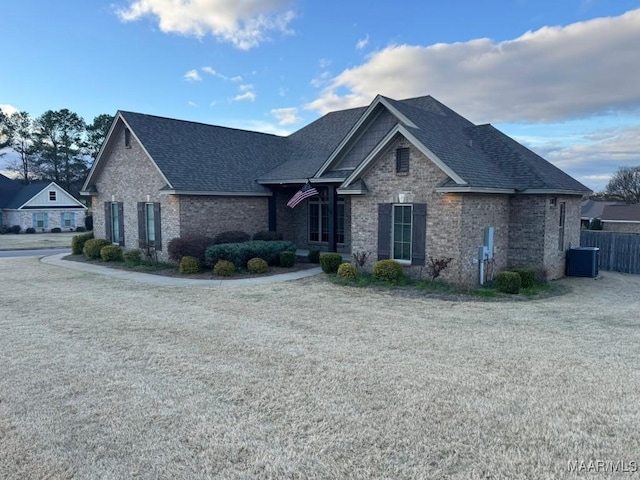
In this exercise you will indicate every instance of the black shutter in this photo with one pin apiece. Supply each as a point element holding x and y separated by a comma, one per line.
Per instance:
<point>419,234</point>
<point>158,225</point>
<point>142,226</point>
<point>121,223</point>
<point>107,221</point>
<point>384,231</point>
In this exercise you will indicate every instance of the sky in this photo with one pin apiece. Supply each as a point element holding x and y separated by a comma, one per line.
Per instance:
<point>561,77</point>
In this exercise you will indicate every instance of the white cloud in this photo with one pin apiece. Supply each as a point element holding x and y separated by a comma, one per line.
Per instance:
<point>214,73</point>
<point>324,63</point>
<point>192,76</point>
<point>192,104</point>
<point>321,79</point>
<point>8,109</point>
<point>246,92</point>
<point>551,74</point>
<point>236,79</point>
<point>286,116</point>
<point>363,42</point>
<point>243,23</point>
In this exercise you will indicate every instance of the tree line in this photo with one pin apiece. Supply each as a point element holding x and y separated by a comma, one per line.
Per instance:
<point>57,146</point>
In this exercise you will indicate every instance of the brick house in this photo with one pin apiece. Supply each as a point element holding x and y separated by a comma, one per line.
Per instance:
<point>406,180</point>
<point>621,218</point>
<point>40,205</point>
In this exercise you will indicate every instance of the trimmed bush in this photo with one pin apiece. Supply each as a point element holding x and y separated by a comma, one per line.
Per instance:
<point>527,276</point>
<point>330,262</point>
<point>268,236</point>
<point>30,230</point>
<point>388,271</point>
<point>596,224</point>
<point>347,271</point>
<point>78,241</point>
<point>257,265</point>
<point>16,229</point>
<point>508,282</point>
<point>111,253</point>
<point>240,253</point>
<point>81,229</point>
<point>224,268</point>
<point>56,230</point>
<point>232,236</point>
<point>189,265</point>
<point>314,256</point>
<point>189,246</point>
<point>92,247</point>
<point>287,259</point>
<point>132,258</point>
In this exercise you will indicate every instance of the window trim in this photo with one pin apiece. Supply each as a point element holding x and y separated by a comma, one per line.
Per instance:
<point>393,240</point>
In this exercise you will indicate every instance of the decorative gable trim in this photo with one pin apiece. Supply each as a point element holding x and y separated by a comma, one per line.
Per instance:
<point>59,190</point>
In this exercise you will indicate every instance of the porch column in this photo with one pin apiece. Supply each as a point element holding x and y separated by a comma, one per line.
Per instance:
<point>333,218</point>
<point>272,212</point>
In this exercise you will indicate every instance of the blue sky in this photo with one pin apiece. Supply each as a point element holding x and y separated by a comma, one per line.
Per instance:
<point>562,77</point>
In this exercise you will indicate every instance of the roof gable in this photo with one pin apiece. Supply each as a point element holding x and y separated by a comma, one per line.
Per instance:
<point>35,195</point>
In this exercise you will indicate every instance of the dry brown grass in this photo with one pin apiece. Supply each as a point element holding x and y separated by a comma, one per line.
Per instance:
<point>104,378</point>
<point>26,241</point>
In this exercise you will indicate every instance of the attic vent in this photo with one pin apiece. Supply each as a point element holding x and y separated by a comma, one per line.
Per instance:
<point>402,160</point>
<point>127,138</point>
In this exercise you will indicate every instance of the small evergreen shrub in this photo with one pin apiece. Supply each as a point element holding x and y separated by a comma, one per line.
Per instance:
<point>267,236</point>
<point>224,268</point>
<point>78,241</point>
<point>314,256</point>
<point>232,236</point>
<point>347,271</point>
<point>240,253</point>
<point>257,265</point>
<point>508,282</point>
<point>189,246</point>
<point>287,259</point>
<point>56,230</point>
<point>132,258</point>
<point>30,230</point>
<point>16,229</point>
<point>81,229</point>
<point>527,276</point>
<point>596,224</point>
<point>330,262</point>
<point>189,265</point>
<point>111,253</point>
<point>388,271</point>
<point>92,247</point>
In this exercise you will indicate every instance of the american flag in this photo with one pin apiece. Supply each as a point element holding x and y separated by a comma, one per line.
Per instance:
<point>305,192</point>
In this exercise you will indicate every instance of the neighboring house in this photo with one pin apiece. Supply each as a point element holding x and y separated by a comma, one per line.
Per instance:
<point>406,180</point>
<point>42,205</point>
<point>621,218</point>
<point>591,210</point>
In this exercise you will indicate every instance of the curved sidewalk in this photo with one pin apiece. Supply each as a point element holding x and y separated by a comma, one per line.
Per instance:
<point>58,260</point>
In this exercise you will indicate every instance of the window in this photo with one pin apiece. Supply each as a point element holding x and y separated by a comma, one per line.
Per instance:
<point>151,225</point>
<point>402,224</point>
<point>402,160</point>
<point>127,138</point>
<point>115,224</point>
<point>40,220</point>
<point>319,220</point>
<point>561,226</point>
<point>52,195</point>
<point>67,219</point>
<point>149,229</point>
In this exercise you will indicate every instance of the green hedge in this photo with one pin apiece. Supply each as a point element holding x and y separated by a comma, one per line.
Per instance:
<point>240,253</point>
<point>189,265</point>
<point>508,282</point>
<point>287,259</point>
<point>388,271</point>
<point>347,271</point>
<point>527,276</point>
<point>257,265</point>
<point>111,253</point>
<point>330,262</point>
<point>78,241</point>
<point>92,247</point>
<point>224,268</point>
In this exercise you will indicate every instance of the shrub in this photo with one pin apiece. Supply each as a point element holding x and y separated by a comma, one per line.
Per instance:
<point>257,265</point>
<point>30,230</point>
<point>78,241</point>
<point>232,236</point>
<point>111,253</point>
<point>268,236</point>
<point>314,256</point>
<point>527,276</point>
<point>287,259</point>
<point>347,271</point>
<point>92,247</point>
<point>56,230</point>
<point>436,266</point>
<point>88,223</point>
<point>4,230</point>
<point>330,262</point>
<point>596,224</point>
<point>241,253</point>
<point>132,258</point>
<point>189,265</point>
<point>81,229</point>
<point>388,271</point>
<point>189,246</point>
<point>16,229</point>
<point>508,282</point>
<point>224,268</point>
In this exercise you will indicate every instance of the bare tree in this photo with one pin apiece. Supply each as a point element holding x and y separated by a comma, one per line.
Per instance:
<point>625,185</point>
<point>19,131</point>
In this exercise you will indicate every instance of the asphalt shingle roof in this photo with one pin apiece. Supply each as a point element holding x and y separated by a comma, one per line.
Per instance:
<point>621,213</point>
<point>8,189</point>
<point>13,194</point>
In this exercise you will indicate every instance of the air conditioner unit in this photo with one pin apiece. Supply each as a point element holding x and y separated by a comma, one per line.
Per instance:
<point>582,262</point>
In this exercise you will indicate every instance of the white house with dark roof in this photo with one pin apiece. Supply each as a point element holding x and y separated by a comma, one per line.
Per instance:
<point>407,180</point>
<point>40,205</point>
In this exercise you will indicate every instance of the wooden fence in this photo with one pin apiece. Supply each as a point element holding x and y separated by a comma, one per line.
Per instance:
<point>619,252</point>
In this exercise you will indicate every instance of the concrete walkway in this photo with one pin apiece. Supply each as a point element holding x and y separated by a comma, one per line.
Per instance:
<point>58,260</point>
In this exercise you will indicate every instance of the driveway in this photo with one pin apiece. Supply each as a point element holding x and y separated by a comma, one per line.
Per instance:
<point>108,378</point>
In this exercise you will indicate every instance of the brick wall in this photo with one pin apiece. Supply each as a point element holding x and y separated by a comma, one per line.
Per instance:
<point>554,258</point>
<point>24,218</point>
